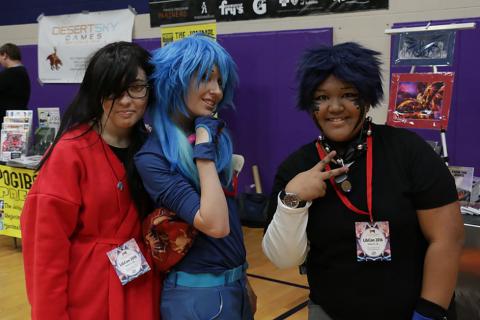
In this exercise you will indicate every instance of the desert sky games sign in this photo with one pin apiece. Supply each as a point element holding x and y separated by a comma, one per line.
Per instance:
<point>66,42</point>
<point>179,11</point>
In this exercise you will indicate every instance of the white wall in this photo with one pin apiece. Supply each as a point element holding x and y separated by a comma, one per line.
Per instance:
<point>364,27</point>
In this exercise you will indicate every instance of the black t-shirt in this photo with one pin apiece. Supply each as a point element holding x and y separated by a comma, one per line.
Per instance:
<point>121,153</point>
<point>407,175</point>
<point>14,89</point>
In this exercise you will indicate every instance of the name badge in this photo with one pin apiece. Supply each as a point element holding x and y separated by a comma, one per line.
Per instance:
<point>128,261</point>
<point>373,241</point>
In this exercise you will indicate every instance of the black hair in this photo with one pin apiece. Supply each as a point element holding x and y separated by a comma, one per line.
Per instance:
<point>349,62</point>
<point>12,51</point>
<point>109,72</point>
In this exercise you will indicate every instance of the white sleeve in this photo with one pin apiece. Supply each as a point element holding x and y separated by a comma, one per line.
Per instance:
<point>285,242</point>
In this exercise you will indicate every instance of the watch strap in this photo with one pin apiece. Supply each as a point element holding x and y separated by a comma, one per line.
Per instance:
<point>301,203</point>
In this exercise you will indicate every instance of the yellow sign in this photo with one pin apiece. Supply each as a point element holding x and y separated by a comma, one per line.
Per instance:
<point>170,34</point>
<point>14,186</point>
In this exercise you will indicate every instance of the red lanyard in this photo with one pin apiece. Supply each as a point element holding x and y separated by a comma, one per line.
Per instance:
<point>346,202</point>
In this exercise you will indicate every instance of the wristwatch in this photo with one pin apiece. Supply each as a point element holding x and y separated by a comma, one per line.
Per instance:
<point>292,200</point>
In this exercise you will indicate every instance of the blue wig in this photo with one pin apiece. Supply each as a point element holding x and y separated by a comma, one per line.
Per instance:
<point>349,62</point>
<point>175,65</point>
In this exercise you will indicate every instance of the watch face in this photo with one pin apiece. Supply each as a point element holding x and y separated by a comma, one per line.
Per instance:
<point>291,200</point>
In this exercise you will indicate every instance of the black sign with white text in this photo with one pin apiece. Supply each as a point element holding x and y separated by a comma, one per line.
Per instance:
<point>285,8</point>
<point>178,11</point>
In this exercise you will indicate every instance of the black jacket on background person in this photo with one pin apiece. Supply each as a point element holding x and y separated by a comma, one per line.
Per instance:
<point>14,89</point>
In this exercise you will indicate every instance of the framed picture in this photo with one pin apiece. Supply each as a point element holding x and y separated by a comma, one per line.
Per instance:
<point>420,100</point>
<point>428,48</point>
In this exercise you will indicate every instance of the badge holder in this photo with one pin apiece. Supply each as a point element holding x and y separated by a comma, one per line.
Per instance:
<point>373,241</point>
<point>128,261</point>
<point>372,237</point>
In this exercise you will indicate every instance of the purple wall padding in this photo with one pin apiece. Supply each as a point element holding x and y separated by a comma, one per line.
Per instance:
<point>463,127</point>
<point>266,126</point>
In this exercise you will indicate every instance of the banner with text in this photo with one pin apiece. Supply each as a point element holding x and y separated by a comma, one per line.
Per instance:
<point>179,11</point>
<point>14,186</point>
<point>170,34</point>
<point>66,42</point>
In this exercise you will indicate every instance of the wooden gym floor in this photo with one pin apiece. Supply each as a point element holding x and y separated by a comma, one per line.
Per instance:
<point>281,294</point>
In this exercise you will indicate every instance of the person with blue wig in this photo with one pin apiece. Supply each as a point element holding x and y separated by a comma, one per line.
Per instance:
<point>186,165</point>
<point>370,211</point>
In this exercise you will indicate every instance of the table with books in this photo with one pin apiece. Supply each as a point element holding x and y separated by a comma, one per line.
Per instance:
<point>16,168</point>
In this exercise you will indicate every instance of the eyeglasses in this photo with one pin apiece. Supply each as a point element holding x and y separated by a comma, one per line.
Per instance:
<point>137,91</point>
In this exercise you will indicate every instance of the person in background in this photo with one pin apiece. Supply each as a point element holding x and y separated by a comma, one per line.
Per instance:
<point>14,80</point>
<point>370,209</point>
<point>88,200</point>
<point>185,165</point>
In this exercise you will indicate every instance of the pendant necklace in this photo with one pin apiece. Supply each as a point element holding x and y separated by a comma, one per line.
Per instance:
<point>342,180</point>
<point>120,185</point>
<point>353,151</point>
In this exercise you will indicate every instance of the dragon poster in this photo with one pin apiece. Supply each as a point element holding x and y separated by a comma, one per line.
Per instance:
<point>429,48</point>
<point>420,100</point>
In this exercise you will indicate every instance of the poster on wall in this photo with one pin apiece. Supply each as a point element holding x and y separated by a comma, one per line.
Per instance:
<point>429,48</point>
<point>170,34</point>
<point>14,186</point>
<point>66,42</point>
<point>180,11</point>
<point>420,100</point>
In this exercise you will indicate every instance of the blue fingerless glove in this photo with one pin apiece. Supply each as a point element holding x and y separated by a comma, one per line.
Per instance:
<point>205,151</point>
<point>208,149</point>
<point>418,316</point>
<point>213,126</point>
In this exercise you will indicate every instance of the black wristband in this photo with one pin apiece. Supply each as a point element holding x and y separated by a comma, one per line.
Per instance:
<point>431,310</point>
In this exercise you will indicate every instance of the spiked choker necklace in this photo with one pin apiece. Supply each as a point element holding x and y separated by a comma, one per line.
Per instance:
<point>352,151</point>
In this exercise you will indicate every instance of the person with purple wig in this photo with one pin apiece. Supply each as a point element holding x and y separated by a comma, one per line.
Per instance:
<point>370,211</point>
<point>186,165</point>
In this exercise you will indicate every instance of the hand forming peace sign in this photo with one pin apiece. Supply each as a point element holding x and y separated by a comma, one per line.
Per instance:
<point>310,185</point>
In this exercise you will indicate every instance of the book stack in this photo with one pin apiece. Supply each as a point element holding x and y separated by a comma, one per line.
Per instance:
<point>468,189</point>
<point>475,195</point>
<point>463,180</point>
<point>29,162</point>
<point>49,118</point>
<point>48,125</point>
<point>15,134</point>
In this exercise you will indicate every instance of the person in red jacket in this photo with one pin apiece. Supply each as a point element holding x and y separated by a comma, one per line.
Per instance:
<point>88,200</point>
